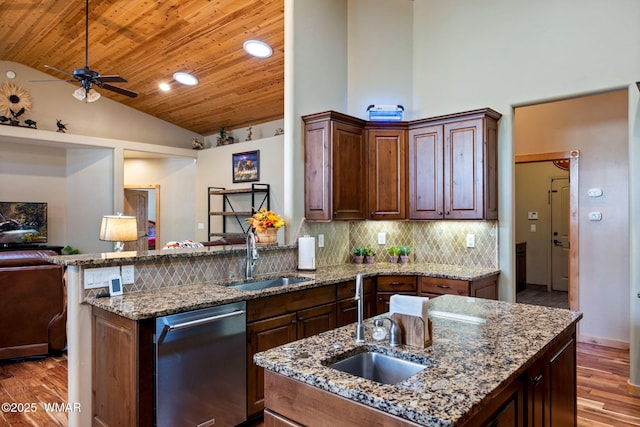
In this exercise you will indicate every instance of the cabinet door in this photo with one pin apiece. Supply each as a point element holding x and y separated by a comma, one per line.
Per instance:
<point>263,335</point>
<point>562,385</point>
<point>349,159</point>
<point>387,173</point>
<point>536,382</point>
<point>463,177</point>
<point>335,173</point>
<point>426,146</point>
<point>313,321</point>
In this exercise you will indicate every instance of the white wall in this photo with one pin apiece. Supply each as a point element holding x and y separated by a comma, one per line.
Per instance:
<point>215,170</point>
<point>380,55</point>
<point>89,196</point>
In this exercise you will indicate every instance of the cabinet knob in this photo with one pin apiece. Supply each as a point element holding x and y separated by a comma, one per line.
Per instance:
<point>440,213</point>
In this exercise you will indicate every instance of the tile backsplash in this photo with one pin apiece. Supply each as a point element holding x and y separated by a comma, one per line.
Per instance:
<point>442,242</point>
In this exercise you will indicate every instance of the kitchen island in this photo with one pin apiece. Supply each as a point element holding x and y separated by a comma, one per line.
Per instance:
<point>490,361</point>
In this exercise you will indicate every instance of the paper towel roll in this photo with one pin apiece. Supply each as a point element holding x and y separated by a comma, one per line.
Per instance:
<point>306,253</point>
<point>411,305</point>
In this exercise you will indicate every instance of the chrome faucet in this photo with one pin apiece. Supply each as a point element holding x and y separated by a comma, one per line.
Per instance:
<point>252,254</point>
<point>360,298</point>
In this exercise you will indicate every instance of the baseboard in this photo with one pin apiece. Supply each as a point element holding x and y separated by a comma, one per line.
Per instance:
<point>605,342</point>
<point>633,389</point>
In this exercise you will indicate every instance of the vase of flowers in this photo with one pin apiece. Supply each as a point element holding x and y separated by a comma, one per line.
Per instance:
<point>265,223</point>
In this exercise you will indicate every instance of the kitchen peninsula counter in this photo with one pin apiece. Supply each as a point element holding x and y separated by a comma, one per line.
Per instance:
<point>471,362</point>
<point>175,299</point>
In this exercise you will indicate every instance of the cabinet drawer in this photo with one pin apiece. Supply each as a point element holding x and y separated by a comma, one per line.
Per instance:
<point>436,285</point>
<point>348,289</point>
<point>276,305</point>
<point>397,283</point>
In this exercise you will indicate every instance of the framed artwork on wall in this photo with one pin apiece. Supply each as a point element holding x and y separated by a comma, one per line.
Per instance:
<point>246,166</point>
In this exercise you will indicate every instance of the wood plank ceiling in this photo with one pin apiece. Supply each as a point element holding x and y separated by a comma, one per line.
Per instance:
<point>146,41</point>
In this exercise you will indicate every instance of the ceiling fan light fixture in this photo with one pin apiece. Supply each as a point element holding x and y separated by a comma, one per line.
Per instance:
<point>80,94</point>
<point>185,78</point>
<point>93,95</point>
<point>257,48</point>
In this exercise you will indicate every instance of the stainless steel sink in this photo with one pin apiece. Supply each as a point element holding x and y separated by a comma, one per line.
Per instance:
<point>270,283</point>
<point>378,367</point>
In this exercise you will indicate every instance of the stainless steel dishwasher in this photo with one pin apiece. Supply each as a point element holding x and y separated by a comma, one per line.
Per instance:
<point>201,367</point>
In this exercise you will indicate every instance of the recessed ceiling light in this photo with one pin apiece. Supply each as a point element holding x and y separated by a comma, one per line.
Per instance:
<point>185,78</point>
<point>164,87</point>
<point>257,48</point>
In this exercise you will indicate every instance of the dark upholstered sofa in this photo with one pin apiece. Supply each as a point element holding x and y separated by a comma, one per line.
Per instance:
<point>33,306</point>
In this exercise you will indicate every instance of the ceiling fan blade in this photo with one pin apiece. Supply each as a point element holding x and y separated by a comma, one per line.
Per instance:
<point>58,70</point>
<point>112,79</point>
<point>52,80</point>
<point>120,90</point>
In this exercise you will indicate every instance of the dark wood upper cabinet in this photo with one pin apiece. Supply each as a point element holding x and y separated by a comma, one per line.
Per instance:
<point>438,168</point>
<point>335,167</point>
<point>453,166</point>
<point>387,166</point>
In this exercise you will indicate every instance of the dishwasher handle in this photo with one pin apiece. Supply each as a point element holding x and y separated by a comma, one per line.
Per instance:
<point>197,322</point>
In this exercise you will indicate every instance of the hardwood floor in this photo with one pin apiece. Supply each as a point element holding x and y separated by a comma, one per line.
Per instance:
<point>603,400</point>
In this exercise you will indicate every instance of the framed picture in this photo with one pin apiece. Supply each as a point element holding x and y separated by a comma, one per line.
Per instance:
<point>246,166</point>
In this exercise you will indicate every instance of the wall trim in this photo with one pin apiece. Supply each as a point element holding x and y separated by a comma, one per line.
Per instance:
<point>605,342</point>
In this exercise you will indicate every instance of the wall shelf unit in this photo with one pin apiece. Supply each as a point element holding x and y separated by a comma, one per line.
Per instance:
<point>235,208</point>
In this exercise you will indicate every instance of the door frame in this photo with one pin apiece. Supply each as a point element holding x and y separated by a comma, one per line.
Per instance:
<point>156,189</point>
<point>574,248</point>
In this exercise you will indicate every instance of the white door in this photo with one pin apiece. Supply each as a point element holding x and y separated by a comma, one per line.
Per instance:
<point>560,234</point>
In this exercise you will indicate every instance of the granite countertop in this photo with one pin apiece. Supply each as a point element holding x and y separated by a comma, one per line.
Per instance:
<point>175,299</point>
<point>467,362</point>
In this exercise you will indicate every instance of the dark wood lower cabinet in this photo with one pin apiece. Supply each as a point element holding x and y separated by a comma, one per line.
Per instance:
<point>263,335</point>
<point>278,320</point>
<point>551,386</point>
<point>122,370</point>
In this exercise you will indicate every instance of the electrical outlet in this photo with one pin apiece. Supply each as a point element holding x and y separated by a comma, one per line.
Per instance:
<point>200,226</point>
<point>321,240</point>
<point>382,238</point>
<point>471,240</point>
<point>128,274</point>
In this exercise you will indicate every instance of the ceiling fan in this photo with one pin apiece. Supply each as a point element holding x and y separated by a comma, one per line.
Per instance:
<point>88,77</point>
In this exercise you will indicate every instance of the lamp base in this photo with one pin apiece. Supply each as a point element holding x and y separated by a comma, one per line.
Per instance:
<point>118,247</point>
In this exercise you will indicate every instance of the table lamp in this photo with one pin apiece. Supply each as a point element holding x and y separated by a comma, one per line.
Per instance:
<point>118,228</point>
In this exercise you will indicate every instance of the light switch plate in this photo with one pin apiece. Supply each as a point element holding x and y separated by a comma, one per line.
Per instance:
<point>321,240</point>
<point>382,238</point>
<point>595,216</point>
<point>471,240</point>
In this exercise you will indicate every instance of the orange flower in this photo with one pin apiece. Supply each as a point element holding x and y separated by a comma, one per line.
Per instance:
<point>264,219</point>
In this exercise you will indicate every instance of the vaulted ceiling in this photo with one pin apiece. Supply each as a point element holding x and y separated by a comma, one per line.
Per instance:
<point>146,41</point>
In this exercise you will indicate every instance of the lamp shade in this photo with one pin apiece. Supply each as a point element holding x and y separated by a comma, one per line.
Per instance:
<point>118,228</point>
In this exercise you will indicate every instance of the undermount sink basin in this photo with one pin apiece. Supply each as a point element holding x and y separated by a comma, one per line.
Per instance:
<point>270,283</point>
<point>378,367</point>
